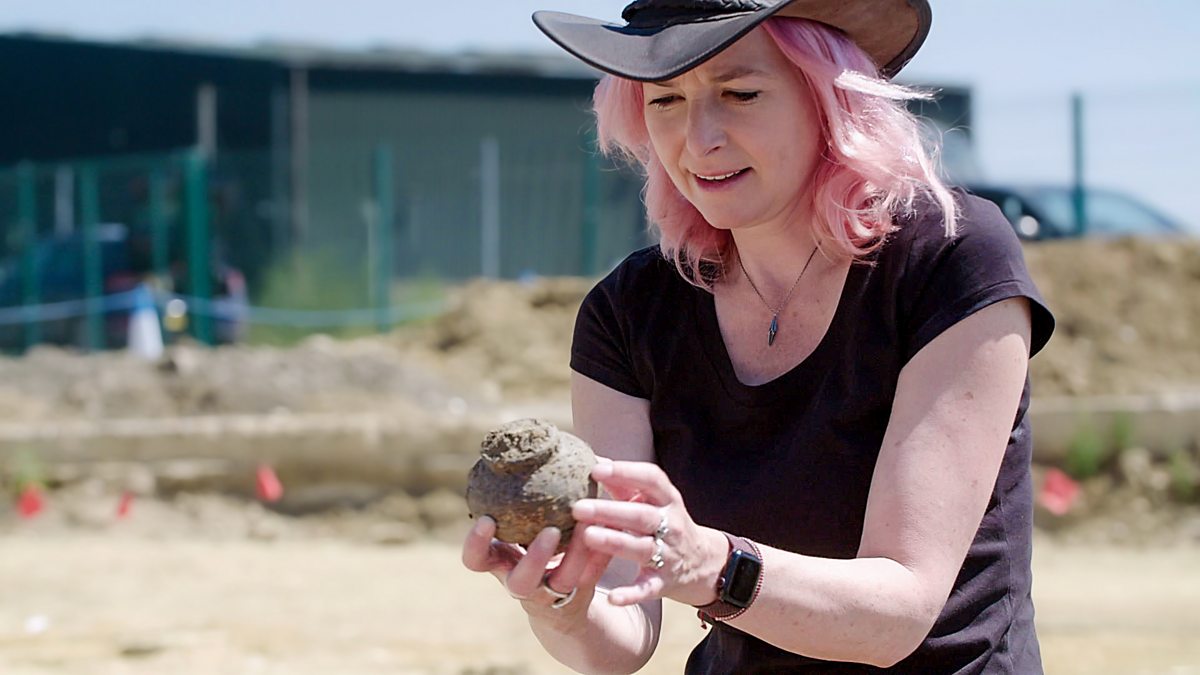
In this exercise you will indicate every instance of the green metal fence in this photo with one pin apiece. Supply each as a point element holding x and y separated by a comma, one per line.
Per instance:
<point>78,235</point>
<point>370,217</point>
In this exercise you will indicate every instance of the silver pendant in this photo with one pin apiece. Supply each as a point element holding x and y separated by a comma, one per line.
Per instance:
<point>772,331</point>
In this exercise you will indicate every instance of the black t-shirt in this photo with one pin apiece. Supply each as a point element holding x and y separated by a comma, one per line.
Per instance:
<point>789,463</point>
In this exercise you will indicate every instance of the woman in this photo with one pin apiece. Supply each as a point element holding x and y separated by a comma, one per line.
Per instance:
<point>814,389</point>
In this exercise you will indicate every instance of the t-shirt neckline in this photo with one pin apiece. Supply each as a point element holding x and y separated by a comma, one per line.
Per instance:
<point>804,374</point>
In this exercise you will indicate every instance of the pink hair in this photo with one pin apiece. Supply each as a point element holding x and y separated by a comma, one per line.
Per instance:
<point>874,167</point>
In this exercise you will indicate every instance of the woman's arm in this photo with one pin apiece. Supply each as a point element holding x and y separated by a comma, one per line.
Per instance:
<point>598,636</point>
<point>951,419</point>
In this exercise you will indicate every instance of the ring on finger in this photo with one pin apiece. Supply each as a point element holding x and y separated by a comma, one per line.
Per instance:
<point>656,560</point>
<point>560,599</point>
<point>663,529</point>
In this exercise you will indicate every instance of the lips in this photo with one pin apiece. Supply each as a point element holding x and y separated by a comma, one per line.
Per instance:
<point>719,177</point>
<point>719,182</point>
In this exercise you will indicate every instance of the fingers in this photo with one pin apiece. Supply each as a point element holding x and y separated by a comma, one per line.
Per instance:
<point>630,480</point>
<point>646,587</point>
<point>634,517</point>
<point>635,548</point>
<point>524,579</point>
<point>568,574</point>
<point>477,553</point>
<point>597,565</point>
<point>483,553</point>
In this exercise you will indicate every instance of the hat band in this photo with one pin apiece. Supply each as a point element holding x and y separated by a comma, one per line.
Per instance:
<point>659,14</point>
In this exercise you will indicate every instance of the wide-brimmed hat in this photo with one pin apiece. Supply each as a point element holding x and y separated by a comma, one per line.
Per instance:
<point>664,38</point>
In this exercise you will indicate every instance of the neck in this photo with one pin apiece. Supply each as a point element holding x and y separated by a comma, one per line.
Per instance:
<point>774,256</point>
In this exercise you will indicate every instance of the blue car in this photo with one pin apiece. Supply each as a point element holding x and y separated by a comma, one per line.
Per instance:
<point>1048,212</point>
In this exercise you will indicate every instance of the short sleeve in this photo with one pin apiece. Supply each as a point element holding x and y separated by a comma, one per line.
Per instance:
<point>600,348</point>
<point>949,278</point>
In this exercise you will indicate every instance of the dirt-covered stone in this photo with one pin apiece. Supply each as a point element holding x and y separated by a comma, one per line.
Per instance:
<point>529,475</point>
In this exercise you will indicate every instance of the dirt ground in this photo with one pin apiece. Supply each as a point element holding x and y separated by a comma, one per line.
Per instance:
<point>189,605</point>
<point>206,582</point>
<point>1128,316</point>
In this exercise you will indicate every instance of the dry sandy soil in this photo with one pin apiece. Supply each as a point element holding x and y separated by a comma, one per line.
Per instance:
<point>190,606</point>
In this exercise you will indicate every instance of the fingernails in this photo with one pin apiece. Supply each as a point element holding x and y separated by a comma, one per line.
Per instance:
<point>548,538</point>
<point>619,598</point>
<point>602,471</point>
<point>482,525</point>
<point>583,510</point>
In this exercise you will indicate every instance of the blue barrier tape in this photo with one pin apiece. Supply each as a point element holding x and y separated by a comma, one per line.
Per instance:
<point>309,318</point>
<point>230,310</point>
<point>68,309</point>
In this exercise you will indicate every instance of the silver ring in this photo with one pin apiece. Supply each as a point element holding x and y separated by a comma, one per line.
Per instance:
<point>663,529</point>
<point>660,533</point>
<point>560,599</point>
<point>656,560</point>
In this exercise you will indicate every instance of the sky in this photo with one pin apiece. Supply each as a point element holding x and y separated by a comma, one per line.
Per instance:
<point>1134,63</point>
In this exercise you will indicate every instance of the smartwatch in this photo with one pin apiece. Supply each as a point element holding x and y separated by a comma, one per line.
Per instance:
<point>738,584</point>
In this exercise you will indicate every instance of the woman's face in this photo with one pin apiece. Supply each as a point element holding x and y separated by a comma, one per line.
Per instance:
<point>738,134</point>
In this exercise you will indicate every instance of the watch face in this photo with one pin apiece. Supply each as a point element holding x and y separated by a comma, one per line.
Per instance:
<point>742,579</point>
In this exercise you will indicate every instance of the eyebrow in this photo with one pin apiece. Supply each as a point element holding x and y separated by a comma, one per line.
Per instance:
<point>738,71</point>
<point>725,76</point>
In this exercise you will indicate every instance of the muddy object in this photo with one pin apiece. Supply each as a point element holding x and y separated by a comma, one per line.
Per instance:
<point>529,475</point>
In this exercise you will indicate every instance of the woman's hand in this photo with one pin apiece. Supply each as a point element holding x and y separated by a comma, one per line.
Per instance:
<point>646,522</point>
<point>527,574</point>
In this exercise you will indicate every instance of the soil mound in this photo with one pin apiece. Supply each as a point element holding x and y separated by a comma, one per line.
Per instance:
<point>1128,315</point>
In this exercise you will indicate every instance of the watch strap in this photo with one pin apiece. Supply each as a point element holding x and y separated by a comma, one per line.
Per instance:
<point>719,609</point>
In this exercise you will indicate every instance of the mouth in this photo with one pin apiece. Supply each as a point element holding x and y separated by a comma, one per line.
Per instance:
<point>720,182</point>
<point>719,178</point>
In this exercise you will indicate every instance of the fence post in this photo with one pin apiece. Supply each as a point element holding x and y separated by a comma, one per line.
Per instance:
<point>93,270</point>
<point>196,189</point>
<point>27,232</point>
<point>159,239</point>
<point>589,236</point>
<point>1078,193</point>
<point>489,176</point>
<point>383,226</point>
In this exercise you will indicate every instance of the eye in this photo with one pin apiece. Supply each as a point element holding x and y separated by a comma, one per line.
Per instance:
<point>744,96</point>
<point>663,101</point>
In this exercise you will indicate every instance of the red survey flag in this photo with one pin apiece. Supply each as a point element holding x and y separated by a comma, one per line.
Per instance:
<point>268,485</point>
<point>1059,492</point>
<point>31,502</point>
<point>125,505</point>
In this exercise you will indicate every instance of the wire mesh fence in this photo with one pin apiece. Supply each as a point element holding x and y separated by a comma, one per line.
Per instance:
<point>384,229</point>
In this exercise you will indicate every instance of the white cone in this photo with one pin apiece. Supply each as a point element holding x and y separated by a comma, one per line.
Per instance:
<point>145,332</point>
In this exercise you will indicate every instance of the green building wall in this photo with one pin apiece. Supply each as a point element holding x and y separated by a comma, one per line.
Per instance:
<point>562,209</point>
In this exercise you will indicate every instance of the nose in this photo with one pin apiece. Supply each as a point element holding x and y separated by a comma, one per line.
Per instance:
<point>705,129</point>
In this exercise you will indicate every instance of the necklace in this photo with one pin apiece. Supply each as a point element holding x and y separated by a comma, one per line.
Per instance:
<point>774,329</point>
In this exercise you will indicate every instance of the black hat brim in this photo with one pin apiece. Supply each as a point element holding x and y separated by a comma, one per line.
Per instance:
<point>647,54</point>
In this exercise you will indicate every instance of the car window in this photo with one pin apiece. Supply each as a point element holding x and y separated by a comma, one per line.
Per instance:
<point>1108,213</point>
<point>1111,213</point>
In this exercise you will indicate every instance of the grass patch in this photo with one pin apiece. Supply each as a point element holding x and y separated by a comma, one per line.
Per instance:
<point>1092,449</point>
<point>1185,474</point>
<point>312,282</point>
<point>25,468</point>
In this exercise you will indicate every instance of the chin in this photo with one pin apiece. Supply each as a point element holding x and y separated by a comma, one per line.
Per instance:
<point>726,221</point>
